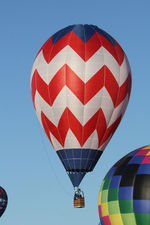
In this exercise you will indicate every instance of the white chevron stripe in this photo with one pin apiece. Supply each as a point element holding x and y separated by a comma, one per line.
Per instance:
<point>92,141</point>
<point>107,105</point>
<point>52,113</point>
<point>38,106</point>
<point>84,70</point>
<point>124,71</point>
<point>67,99</point>
<point>71,141</point>
<point>119,111</point>
<point>101,100</point>
<point>56,144</point>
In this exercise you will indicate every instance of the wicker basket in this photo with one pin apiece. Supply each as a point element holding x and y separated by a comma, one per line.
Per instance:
<point>79,203</point>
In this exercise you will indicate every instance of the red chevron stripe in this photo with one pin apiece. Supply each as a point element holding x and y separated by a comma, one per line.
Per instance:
<point>46,48</point>
<point>92,46</point>
<point>42,88</point>
<point>65,76</point>
<point>111,84</point>
<point>101,125</point>
<point>75,84</point>
<point>89,127</point>
<point>77,45</point>
<point>82,133</point>
<point>94,85</point>
<point>110,131</point>
<point>114,51</point>
<point>84,92</point>
<point>50,127</point>
<point>58,46</point>
<point>63,125</point>
<point>84,50</point>
<point>124,90</point>
<point>75,126</point>
<point>69,121</point>
<point>50,50</point>
<point>57,83</point>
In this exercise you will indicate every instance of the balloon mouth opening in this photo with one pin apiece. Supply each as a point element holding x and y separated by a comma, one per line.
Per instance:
<point>79,159</point>
<point>78,162</point>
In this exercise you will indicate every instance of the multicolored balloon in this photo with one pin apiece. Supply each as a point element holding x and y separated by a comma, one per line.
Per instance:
<point>80,84</point>
<point>124,197</point>
<point>3,201</point>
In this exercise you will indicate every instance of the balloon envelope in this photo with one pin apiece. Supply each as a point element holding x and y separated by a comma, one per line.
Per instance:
<point>124,197</point>
<point>80,85</point>
<point>3,201</point>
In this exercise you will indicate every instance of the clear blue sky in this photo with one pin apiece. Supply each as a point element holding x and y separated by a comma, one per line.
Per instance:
<point>39,191</point>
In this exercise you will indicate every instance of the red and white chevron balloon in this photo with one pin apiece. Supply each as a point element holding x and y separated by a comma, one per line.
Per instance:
<point>80,84</point>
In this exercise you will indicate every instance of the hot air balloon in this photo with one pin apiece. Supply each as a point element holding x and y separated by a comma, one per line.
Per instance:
<point>3,201</point>
<point>80,85</point>
<point>124,197</point>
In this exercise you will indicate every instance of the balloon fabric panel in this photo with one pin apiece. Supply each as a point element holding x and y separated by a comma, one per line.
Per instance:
<point>124,196</point>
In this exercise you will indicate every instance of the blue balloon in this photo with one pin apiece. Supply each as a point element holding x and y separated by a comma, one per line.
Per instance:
<point>3,201</point>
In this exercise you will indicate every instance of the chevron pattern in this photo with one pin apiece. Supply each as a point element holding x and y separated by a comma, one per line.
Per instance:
<point>80,84</point>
